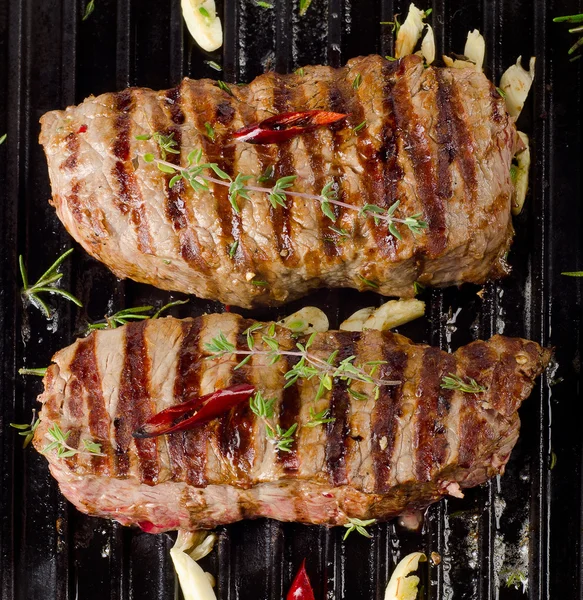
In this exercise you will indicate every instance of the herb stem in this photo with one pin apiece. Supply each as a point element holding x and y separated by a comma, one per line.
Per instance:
<point>389,218</point>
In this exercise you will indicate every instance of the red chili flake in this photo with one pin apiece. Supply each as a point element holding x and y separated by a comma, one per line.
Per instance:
<point>285,126</point>
<point>301,588</point>
<point>327,495</point>
<point>227,308</point>
<point>205,408</point>
<point>82,129</point>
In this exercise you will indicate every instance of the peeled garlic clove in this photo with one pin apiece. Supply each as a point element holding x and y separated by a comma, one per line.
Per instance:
<point>306,320</point>
<point>515,83</point>
<point>203,23</point>
<point>475,48</point>
<point>428,46</point>
<point>403,586</point>
<point>409,32</point>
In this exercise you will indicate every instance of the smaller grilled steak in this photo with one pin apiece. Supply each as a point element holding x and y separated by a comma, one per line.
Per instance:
<point>412,444</point>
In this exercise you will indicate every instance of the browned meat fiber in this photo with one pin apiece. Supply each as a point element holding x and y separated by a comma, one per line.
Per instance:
<point>437,140</point>
<point>383,454</point>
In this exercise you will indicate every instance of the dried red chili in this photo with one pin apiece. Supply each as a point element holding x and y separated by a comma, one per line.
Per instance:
<point>285,126</point>
<point>82,129</point>
<point>301,588</point>
<point>205,408</point>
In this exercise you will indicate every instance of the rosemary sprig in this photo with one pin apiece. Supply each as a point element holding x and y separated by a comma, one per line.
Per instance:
<point>27,430</point>
<point>358,526</point>
<point>40,372</point>
<point>137,313</point>
<point>197,175</point>
<point>59,443</point>
<point>223,86</point>
<point>264,409</point>
<point>356,130</point>
<point>470,386</point>
<point>47,283</point>
<point>89,9</point>
<point>308,364</point>
<point>573,19</point>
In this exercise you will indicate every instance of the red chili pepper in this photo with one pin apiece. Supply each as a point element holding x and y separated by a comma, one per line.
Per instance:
<point>82,129</point>
<point>286,126</point>
<point>301,588</point>
<point>205,408</point>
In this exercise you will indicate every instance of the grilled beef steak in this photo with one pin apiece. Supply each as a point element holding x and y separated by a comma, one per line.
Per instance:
<point>438,140</point>
<point>412,444</point>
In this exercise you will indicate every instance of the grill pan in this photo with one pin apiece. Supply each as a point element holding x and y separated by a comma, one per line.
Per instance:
<point>528,521</point>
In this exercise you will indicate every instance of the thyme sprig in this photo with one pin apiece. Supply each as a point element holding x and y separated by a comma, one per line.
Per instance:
<point>137,313</point>
<point>470,386</point>
<point>308,365</point>
<point>47,283</point>
<point>198,175</point>
<point>27,429</point>
<point>264,409</point>
<point>59,443</point>
<point>358,526</point>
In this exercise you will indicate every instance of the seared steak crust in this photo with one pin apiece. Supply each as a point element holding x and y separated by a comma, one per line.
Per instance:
<point>403,450</point>
<point>437,139</point>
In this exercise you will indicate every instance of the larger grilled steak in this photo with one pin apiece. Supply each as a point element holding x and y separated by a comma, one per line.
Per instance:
<point>380,456</point>
<point>437,140</point>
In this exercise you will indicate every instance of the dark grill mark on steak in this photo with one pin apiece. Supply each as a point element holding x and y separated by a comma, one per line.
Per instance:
<point>340,407</point>
<point>419,151</point>
<point>462,139</point>
<point>72,144</point>
<point>339,104</point>
<point>384,417</point>
<point>174,103</point>
<point>235,431</point>
<point>130,200</point>
<point>446,142</point>
<point>432,411</point>
<point>225,113</point>
<point>313,141</point>
<point>388,155</point>
<point>280,216</point>
<point>476,359</point>
<point>85,374</point>
<point>288,415</point>
<point>189,448</point>
<point>135,407</point>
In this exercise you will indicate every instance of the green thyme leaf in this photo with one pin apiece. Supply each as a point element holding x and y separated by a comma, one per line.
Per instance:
<point>233,248</point>
<point>368,282</point>
<point>223,86</point>
<point>209,131</point>
<point>89,8</point>
<point>213,65</point>
<point>304,5</point>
